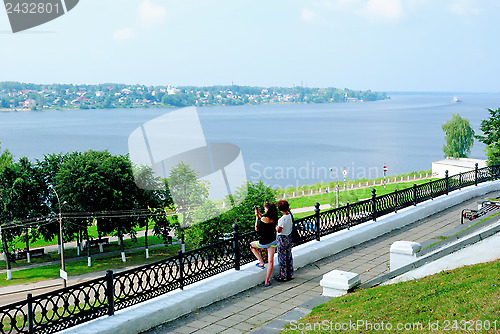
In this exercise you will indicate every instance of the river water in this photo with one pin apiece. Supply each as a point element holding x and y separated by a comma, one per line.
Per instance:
<point>283,145</point>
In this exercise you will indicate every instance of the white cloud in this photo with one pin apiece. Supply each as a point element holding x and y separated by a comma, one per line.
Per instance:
<point>336,5</point>
<point>309,15</point>
<point>464,8</point>
<point>124,34</point>
<point>150,13</point>
<point>373,10</point>
<point>391,10</point>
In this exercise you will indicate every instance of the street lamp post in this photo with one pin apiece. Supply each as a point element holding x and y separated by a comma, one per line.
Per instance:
<point>63,271</point>
<point>344,172</point>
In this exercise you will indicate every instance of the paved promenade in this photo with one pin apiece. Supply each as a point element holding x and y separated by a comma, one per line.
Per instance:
<point>267,310</point>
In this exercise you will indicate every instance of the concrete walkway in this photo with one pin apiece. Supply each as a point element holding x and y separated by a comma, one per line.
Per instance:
<point>267,310</point>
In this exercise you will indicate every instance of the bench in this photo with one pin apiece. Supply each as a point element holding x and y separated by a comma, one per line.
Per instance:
<point>96,242</point>
<point>23,254</point>
<point>486,207</point>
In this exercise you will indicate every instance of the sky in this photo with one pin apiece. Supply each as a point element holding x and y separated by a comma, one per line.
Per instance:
<point>382,45</point>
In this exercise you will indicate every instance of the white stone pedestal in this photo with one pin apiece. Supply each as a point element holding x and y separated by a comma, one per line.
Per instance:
<point>337,283</point>
<point>403,253</point>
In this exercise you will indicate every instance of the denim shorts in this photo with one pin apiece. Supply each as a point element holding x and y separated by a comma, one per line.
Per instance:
<point>271,244</point>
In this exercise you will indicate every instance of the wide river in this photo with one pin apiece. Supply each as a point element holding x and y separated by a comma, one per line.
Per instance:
<point>283,145</point>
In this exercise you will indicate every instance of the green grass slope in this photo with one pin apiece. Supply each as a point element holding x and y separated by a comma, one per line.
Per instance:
<point>464,300</point>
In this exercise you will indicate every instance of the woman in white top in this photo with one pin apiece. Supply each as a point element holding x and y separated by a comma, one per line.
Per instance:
<point>284,229</point>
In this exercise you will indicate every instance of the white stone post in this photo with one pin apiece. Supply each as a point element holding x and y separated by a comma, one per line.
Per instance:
<point>337,283</point>
<point>403,253</point>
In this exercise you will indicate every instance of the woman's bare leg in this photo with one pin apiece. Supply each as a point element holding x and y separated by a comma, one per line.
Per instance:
<point>255,251</point>
<point>270,261</point>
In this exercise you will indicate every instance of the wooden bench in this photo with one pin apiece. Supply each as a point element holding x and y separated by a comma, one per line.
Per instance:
<point>23,254</point>
<point>96,242</point>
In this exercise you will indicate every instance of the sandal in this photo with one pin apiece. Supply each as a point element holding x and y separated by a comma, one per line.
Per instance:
<point>281,279</point>
<point>259,266</point>
<point>268,284</point>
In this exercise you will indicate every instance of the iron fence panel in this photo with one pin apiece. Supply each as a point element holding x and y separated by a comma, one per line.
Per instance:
<point>306,228</point>
<point>333,220</point>
<point>207,261</point>
<point>454,182</point>
<point>468,178</point>
<point>405,198</point>
<point>145,282</point>
<point>494,173</point>
<point>483,175</point>
<point>438,187</point>
<point>64,308</point>
<point>361,212</point>
<point>14,318</point>
<point>386,203</point>
<point>244,241</point>
<point>423,192</point>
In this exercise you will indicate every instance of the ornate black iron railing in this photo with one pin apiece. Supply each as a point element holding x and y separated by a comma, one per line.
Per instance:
<point>60,309</point>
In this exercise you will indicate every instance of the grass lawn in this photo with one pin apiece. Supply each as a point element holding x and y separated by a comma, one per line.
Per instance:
<point>340,183</point>
<point>462,300</point>
<point>72,252</point>
<point>80,267</point>
<point>350,196</point>
<point>18,243</point>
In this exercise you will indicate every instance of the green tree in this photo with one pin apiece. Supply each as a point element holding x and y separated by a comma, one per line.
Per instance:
<point>249,195</point>
<point>96,181</point>
<point>6,167</point>
<point>22,196</point>
<point>491,136</point>
<point>6,159</point>
<point>188,192</point>
<point>459,137</point>
<point>151,191</point>
<point>210,230</point>
<point>4,103</point>
<point>49,167</point>
<point>221,224</point>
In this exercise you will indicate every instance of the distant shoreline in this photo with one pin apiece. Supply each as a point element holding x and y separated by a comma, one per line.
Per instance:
<point>18,96</point>
<point>168,107</point>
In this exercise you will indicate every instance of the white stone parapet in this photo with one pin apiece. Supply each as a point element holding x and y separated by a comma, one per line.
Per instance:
<point>403,253</point>
<point>337,283</point>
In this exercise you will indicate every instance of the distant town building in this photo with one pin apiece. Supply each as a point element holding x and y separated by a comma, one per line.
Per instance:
<point>29,103</point>
<point>171,90</point>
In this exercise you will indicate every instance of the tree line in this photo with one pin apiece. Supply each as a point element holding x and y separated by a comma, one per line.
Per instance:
<point>109,95</point>
<point>98,188</point>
